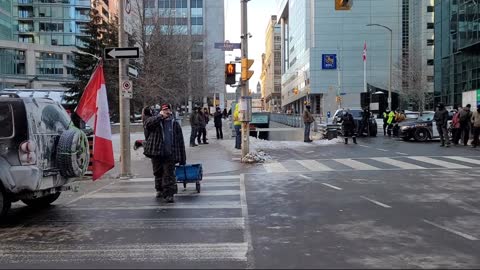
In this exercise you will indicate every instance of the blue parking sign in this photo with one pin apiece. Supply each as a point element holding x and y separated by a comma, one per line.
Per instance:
<point>329,61</point>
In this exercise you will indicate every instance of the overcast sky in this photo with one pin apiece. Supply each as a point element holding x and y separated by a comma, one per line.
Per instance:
<point>259,12</point>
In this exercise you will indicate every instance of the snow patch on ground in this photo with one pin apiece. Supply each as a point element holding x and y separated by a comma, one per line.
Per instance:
<point>256,157</point>
<point>136,154</point>
<point>257,144</point>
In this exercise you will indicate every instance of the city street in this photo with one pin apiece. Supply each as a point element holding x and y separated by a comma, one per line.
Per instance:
<point>382,203</point>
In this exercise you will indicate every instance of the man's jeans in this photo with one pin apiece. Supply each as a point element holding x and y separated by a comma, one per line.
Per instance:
<point>307,132</point>
<point>443,132</point>
<point>164,172</point>
<point>238,137</point>
<point>193,135</point>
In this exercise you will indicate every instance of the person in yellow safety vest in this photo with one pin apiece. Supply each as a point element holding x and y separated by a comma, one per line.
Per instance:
<point>385,120</point>
<point>390,121</point>
<point>238,127</point>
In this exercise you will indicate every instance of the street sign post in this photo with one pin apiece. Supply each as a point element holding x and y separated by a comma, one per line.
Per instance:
<point>122,53</point>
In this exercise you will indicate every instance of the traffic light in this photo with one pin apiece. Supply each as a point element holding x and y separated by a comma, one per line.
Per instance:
<point>246,73</point>
<point>343,4</point>
<point>230,74</point>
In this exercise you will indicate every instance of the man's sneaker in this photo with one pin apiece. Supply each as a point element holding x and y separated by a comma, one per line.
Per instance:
<point>159,194</point>
<point>193,145</point>
<point>205,143</point>
<point>169,199</point>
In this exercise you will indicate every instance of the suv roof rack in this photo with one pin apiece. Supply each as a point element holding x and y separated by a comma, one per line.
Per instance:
<point>12,95</point>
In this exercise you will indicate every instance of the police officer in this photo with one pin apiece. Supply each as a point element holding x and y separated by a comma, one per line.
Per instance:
<point>348,126</point>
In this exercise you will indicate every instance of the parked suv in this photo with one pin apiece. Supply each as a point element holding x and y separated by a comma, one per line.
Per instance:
<point>41,152</point>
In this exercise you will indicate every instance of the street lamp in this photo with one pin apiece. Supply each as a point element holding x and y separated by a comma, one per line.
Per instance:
<point>391,60</point>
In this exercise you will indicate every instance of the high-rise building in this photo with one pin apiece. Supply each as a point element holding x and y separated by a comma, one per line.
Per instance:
<point>108,9</point>
<point>6,14</point>
<point>272,66</point>
<point>322,51</point>
<point>457,49</point>
<point>203,21</point>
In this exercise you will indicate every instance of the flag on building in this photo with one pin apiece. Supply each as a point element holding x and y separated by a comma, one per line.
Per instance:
<point>365,66</point>
<point>365,51</point>
<point>93,109</point>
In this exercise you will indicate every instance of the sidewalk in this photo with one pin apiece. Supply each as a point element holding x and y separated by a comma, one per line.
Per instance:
<point>214,157</point>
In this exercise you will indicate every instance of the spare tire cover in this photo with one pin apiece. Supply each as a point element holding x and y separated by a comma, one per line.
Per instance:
<point>72,153</point>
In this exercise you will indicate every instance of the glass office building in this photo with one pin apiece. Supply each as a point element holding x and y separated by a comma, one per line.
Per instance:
<point>457,49</point>
<point>322,51</point>
<point>6,32</point>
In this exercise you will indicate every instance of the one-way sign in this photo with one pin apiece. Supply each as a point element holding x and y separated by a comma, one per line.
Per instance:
<point>122,53</point>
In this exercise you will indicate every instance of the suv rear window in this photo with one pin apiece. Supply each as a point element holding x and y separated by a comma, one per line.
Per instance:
<point>6,121</point>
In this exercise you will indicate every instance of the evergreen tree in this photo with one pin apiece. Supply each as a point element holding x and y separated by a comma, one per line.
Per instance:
<point>99,34</point>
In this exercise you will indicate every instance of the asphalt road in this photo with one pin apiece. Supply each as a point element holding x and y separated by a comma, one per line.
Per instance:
<point>380,204</point>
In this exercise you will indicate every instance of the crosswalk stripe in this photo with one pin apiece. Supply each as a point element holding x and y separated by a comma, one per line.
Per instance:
<point>357,165</point>
<point>398,163</point>
<point>275,167</point>
<point>467,160</point>
<point>314,166</point>
<point>118,252</point>
<point>440,163</point>
<point>112,195</point>
<point>223,205</point>
<point>144,180</point>
<point>150,185</point>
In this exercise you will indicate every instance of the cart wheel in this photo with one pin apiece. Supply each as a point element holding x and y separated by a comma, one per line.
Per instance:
<point>198,187</point>
<point>185,185</point>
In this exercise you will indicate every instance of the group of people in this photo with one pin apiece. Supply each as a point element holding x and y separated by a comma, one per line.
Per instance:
<point>199,120</point>
<point>391,119</point>
<point>464,123</point>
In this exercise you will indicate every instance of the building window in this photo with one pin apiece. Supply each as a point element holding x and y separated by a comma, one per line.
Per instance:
<point>150,4</point>
<point>430,25</point>
<point>430,78</point>
<point>430,62</point>
<point>430,42</point>
<point>430,9</point>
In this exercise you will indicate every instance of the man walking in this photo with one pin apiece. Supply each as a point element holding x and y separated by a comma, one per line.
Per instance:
<point>195,124</point>
<point>217,120</point>
<point>441,118</point>
<point>307,120</point>
<point>465,122</point>
<point>476,127</point>
<point>390,122</point>
<point>348,126</point>
<point>165,146</point>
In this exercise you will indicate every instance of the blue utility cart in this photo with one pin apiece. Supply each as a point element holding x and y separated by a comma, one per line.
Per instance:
<point>192,173</point>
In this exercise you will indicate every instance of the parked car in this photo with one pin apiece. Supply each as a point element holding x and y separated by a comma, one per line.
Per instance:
<point>41,152</point>
<point>422,129</point>
<point>358,116</point>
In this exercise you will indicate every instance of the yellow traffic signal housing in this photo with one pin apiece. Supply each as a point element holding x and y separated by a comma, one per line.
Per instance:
<point>230,72</point>
<point>343,4</point>
<point>246,73</point>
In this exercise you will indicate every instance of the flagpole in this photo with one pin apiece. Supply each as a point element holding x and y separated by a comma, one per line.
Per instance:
<point>365,68</point>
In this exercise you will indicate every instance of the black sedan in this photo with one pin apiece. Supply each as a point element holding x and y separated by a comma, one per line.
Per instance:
<point>358,116</point>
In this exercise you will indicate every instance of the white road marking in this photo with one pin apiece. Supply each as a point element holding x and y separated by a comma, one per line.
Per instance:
<point>376,202</point>
<point>305,177</point>
<point>223,205</point>
<point>464,235</point>
<point>400,153</point>
<point>330,186</point>
<point>398,163</point>
<point>151,185</point>
<point>111,195</point>
<point>226,177</point>
<point>361,145</point>
<point>357,165</point>
<point>314,166</point>
<point>383,150</point>
<point>310,152</point>
<point>89,194</point>
<point>247,235</point>
<point>440,163</point>
<point>275,167</point>
<point>236,159</point>
<point>467,160</point>
<point>136,253</point>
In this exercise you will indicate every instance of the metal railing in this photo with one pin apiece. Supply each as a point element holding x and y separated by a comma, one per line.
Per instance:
<point>292,120</point>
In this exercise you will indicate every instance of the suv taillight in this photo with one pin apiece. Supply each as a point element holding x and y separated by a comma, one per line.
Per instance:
<point>26,153</point>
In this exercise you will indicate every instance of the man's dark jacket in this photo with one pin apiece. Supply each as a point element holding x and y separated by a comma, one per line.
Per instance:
<point>154,142</point>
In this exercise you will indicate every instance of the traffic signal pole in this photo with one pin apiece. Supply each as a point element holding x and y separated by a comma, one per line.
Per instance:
<point>124,108</point>
<point>244,83</point>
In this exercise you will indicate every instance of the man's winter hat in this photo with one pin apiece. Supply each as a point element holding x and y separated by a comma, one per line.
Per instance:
<point>166,107</point>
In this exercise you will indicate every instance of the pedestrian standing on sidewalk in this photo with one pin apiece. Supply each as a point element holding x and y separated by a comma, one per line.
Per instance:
<point>476,127</point>
<point>456,130</point>
<point>238,127</point>
<point>348,126</point>
<point>386,115</point>
<point>225,113</point>
<point>465,123</point>
<point>165,146</point>
<point>202,131</point>
<point>195,124</point>
<point>217,120</point>
<point>307,120</point>
<point>441,118</point>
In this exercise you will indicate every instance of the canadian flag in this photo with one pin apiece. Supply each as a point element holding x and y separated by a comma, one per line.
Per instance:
<point>93,108</point>
<point>365,52</point>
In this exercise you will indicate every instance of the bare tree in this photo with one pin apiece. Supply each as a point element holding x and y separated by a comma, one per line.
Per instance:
<point>412,86</point>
